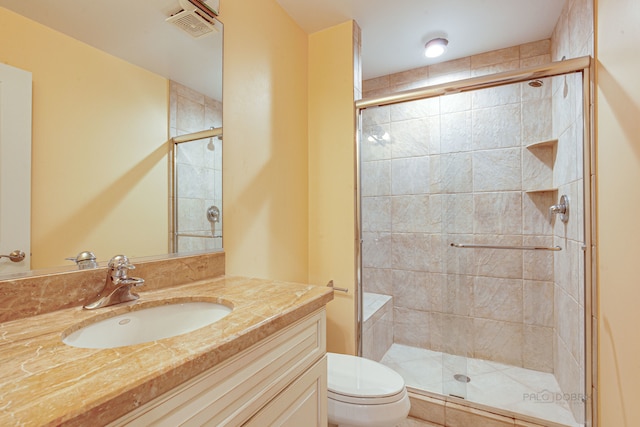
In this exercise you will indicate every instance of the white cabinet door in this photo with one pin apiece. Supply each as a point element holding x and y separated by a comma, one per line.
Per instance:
<point>303,403</point>
<point>15,166</point>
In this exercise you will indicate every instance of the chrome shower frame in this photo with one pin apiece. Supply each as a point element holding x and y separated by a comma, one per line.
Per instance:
<point>583,65</point>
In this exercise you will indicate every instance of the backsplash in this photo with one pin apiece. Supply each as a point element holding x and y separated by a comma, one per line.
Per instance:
<point>33,295</point>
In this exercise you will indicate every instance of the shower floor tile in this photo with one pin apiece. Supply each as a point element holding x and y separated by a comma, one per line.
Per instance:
<point>493,384</point>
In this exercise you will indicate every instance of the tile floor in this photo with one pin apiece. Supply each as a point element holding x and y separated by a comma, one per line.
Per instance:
<point>510,388</point>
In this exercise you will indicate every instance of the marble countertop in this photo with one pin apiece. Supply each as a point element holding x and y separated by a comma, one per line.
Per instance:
<point>45,382</point>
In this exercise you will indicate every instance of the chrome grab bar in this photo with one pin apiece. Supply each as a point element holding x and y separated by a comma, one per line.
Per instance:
<point>522,248</point>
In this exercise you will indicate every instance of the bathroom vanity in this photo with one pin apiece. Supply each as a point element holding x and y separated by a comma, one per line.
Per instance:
<point>263,363</point>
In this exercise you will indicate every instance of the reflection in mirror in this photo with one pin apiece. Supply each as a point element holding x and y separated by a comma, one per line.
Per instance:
<point>197,171</point>
<point>102,122</point>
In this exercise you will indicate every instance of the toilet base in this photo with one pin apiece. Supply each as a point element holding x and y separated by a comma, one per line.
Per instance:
<point>354,415</point>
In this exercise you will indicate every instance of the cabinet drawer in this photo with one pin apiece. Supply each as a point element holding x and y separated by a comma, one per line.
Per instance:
<point>230,393</point>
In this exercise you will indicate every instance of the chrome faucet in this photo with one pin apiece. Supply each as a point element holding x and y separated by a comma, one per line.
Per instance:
<point>117,288</point>
<point>561,209</point>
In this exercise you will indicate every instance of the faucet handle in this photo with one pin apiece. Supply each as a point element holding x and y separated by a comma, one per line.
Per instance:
<point>561,209</point>
<point>119,265</point>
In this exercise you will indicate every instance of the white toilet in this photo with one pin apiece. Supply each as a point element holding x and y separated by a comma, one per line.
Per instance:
<point>364,393</point>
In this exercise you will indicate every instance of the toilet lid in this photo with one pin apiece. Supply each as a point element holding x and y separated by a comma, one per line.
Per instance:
<point>361,378</point>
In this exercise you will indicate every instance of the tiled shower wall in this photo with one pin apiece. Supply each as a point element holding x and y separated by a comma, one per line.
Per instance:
<point>199,168</point>
<point>454,170</point>
<point>432,298</point>
<point>572,38</point>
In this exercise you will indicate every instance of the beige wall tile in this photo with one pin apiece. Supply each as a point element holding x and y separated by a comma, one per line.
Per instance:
<point>498,299</point>
<point>409,76</point>
<point>496,68</point>
<point>497,127</point>
<point>376,115</point>
<point>428,409</point>
<point>376,178</point>
<point>459,67</point>
<point>411,327</point>
<point>415,109</point>
<point>457,333</point>
<point>538,303</point>
<point>535,206</point>
<point>498,213</point>
<point>497,170</point>
<point>535,60</point>
<point>410,175</point>
<point>377,280</point>
<point>456,170</point>
<point>498,262</point>
<point>496,96</point>
<point>458,295</point>
<point>382,82</point>
<point>376,250</point>
<point>455,132</point>
<point>540,47</point>
<point>413,290</point>
<point>495,57</point>
<point>538,348</point>
<point>537,125</point>
<point>417,137</point>
<point>455,103</point>
<point>538,265</point>
<point>458,217</point>
<point>499,341</point>
<point>376,213</point>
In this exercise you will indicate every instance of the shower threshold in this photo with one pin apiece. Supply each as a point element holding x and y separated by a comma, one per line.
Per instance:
<point>507,388</point>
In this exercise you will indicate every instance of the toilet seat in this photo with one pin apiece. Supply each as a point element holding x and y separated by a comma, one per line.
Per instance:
<point>362,381</point>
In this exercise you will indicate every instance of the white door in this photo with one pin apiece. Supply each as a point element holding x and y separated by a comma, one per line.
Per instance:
<point>15,167</point>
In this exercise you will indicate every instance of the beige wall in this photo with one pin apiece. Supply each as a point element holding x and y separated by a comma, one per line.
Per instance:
<point>331,176</point>
<point>288,154</point>
<point>265,183</point>
<point>99,168</point>
<point>618,234</point>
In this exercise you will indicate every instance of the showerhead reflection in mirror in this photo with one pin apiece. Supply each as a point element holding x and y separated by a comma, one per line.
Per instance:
<point>378,135</point>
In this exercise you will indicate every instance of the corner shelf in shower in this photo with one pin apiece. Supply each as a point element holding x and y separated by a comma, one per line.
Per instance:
<point>543,144</point>
<point>543,149</point>
<point>541,190</point>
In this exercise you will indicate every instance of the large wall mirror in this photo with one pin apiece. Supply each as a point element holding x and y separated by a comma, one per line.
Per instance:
<point>112,83</point>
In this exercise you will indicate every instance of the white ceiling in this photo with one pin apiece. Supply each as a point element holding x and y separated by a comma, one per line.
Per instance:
<point>393,33</point>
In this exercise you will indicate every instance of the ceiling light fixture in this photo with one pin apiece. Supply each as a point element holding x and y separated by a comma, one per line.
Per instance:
<point>435,47</point>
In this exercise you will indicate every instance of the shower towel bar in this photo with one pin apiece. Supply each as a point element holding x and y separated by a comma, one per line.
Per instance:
<point>523,248</point>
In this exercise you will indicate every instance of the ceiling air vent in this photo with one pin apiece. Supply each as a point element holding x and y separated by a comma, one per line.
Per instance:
<point>194,19</point>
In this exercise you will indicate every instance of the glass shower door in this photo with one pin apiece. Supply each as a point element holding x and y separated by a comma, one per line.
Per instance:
<point>483,286</point>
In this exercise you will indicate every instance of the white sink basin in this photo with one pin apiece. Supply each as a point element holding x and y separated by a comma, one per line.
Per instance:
<point>147,324</point>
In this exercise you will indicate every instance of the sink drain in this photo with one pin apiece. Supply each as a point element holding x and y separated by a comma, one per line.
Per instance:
<point>461,378</point>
